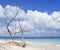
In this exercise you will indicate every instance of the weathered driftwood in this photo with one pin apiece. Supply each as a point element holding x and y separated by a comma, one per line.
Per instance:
<point>21,44</point>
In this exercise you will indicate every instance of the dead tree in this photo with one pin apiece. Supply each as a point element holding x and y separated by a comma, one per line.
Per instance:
<point>8,24</point>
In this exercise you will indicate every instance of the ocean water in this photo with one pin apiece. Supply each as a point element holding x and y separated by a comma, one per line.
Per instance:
<point>55,40</point>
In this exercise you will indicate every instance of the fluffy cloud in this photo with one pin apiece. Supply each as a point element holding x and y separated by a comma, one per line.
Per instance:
<point>44,18</point>
<point>33,21</point>
<point>1,11</point>
<point>2,30</point>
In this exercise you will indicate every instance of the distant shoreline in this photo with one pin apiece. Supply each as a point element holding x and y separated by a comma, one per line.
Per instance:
<point>31,37</point>
<point>27,37</point>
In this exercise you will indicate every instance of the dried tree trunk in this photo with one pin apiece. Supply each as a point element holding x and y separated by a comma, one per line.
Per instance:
<point>7,26</point>
<point>11,36</point>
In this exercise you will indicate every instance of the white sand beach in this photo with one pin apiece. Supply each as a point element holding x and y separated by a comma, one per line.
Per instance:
<point>29,46</point>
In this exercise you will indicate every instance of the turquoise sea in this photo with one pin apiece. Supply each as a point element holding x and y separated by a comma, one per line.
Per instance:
<point>36,39</point>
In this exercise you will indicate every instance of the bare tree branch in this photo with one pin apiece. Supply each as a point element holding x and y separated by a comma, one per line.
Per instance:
<point>15,29</point>
<point>10,32</point>
<point>21,30</point>
<point>8,23</point>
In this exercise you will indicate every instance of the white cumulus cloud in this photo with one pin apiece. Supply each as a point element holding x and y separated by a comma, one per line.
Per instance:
<point>31,19</point>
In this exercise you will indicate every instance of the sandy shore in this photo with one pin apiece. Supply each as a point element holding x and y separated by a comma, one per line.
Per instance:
<point>30,46</point>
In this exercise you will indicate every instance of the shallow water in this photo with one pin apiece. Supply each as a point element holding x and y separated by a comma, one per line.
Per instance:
<point>55,40</point>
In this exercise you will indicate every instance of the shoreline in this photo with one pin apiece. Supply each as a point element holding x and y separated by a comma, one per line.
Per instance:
<point>33,46</point>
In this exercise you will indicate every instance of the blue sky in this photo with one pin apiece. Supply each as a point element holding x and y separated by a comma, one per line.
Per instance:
<point>43,20</point>
<point>41,5</point>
